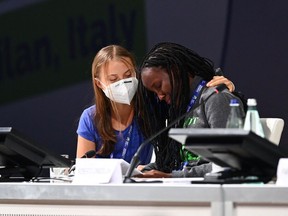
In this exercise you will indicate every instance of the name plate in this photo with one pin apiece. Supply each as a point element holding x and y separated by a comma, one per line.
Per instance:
<point>97,171</point>
<point>282,172</point>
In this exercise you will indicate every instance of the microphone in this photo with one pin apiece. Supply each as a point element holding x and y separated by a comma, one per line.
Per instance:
<point>219,72</point>
<point>136,158</point>
<point>88,154</point>
<point>219,88</point>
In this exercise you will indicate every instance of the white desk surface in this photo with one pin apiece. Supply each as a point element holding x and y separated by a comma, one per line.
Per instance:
<point>253,193</point>
<point>167,199</point>
<point>152,192</point>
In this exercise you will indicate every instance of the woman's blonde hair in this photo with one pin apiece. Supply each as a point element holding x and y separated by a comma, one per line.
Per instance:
<point>104,106</point>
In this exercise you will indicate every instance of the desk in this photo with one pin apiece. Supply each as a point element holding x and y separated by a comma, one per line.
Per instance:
<point>264,200</point>
<point>59,199</point>
<point>51,199</point>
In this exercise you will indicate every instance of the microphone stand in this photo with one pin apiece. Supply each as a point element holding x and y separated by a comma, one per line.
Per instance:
<point>136,158</point>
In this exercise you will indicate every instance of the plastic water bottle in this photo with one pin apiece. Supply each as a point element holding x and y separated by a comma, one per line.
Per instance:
<point>235,118</point>
<point>252,119</point>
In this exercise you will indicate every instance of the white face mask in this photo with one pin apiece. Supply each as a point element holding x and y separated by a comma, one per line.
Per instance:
<point>122,91</point>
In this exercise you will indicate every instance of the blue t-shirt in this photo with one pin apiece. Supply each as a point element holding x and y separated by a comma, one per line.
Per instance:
<point>87,130</point>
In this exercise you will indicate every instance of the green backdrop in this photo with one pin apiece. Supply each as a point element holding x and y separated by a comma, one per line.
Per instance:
<point>51,44</point>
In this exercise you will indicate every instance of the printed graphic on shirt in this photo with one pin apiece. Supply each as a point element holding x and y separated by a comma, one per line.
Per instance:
<point>190,121</point>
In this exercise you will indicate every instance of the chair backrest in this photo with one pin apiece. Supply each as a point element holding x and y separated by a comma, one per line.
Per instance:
<point>273,128</point>
<point>153,158</point>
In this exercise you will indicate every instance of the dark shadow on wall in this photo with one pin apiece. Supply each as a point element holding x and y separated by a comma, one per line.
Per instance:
<point>256,55</point>
<point>51,119</point>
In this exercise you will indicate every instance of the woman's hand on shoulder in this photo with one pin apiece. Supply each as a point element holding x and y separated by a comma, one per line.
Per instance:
<point>217,80</point>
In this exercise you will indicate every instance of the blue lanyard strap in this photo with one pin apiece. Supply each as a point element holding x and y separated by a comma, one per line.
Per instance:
<point>126,144</point>
<point>196,94</point>
<point>186,155</point>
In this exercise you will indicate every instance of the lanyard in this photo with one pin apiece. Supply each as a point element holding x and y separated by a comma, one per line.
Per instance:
<point>125,147</point>
<point>196,94</point>
<point>186,155</point>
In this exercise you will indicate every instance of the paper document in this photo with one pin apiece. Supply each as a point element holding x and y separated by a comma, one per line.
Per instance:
<point>125,166</point>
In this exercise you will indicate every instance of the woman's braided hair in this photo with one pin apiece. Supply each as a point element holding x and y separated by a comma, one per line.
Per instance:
<point>180,64</point>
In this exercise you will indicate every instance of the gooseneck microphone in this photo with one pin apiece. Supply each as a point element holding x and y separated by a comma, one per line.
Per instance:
<point>88,154</point>
<point>136,158</point>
